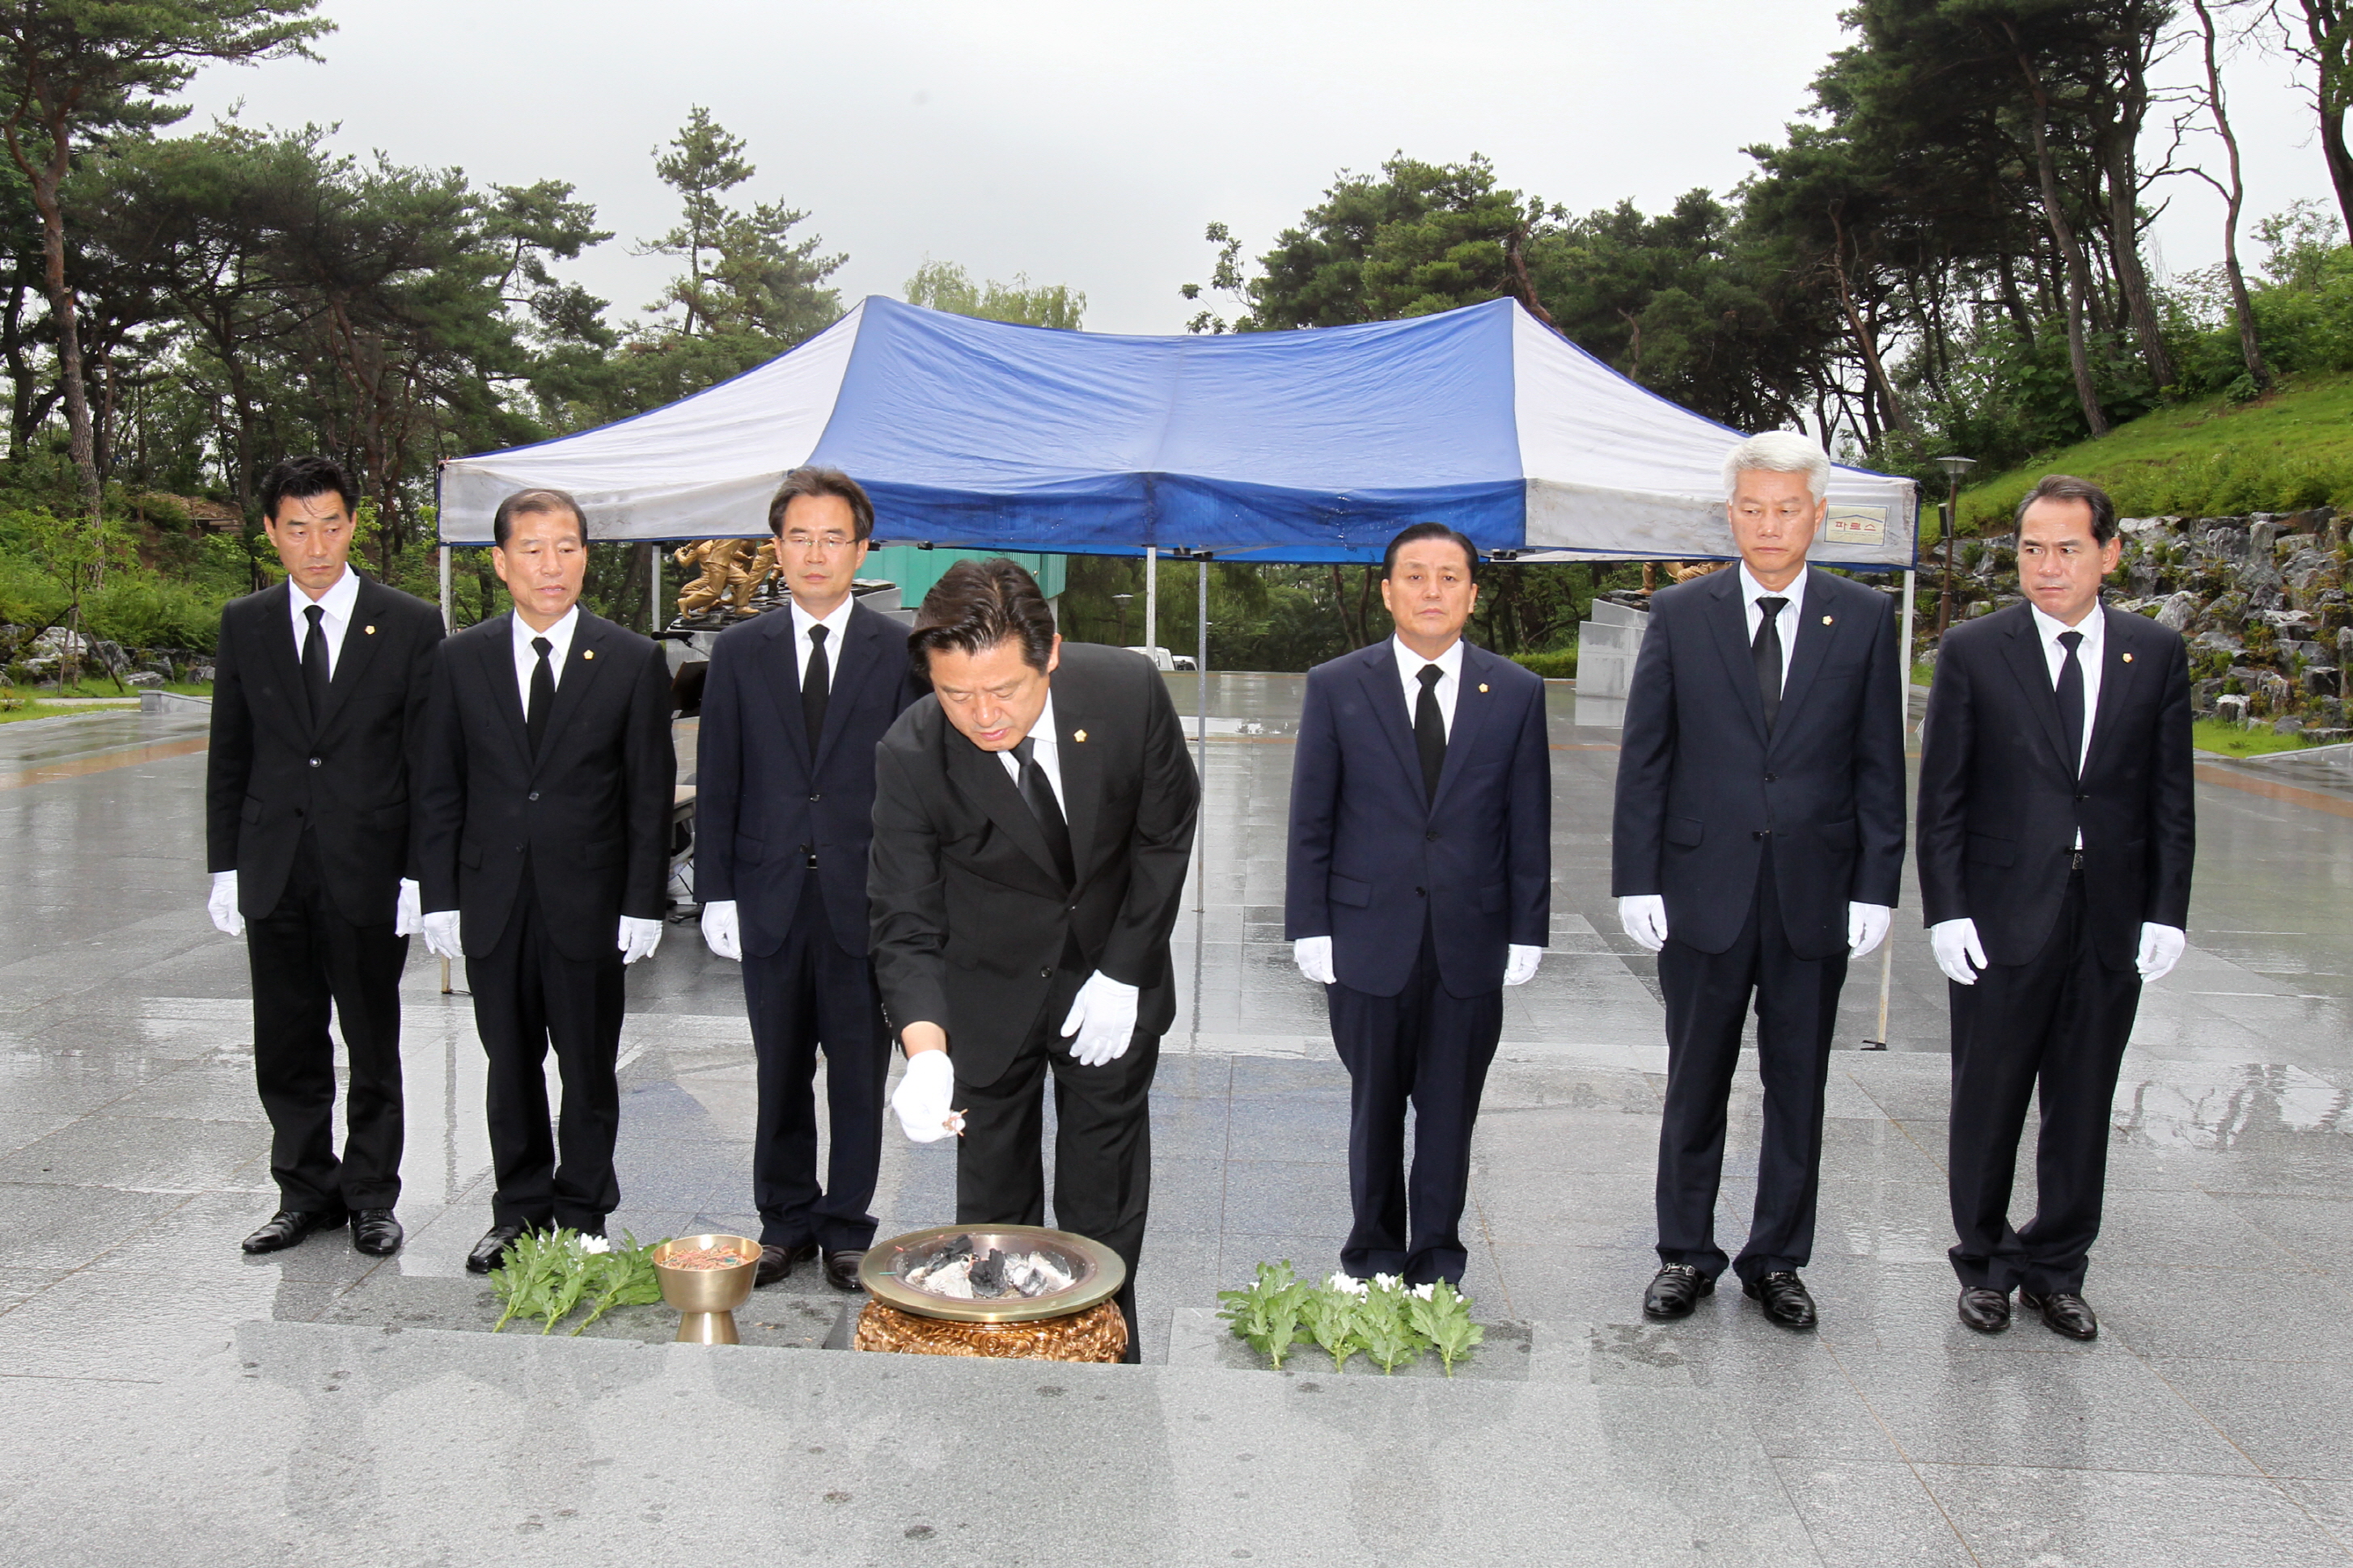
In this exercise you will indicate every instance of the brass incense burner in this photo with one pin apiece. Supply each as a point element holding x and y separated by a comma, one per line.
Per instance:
<point>706,1298</point>
<point>1077,1321</point>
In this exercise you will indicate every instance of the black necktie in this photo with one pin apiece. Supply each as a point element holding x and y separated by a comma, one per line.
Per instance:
<point>2070,701</point>
<point>543,694</point>
<point>817,682</point>
<point>1429,730</point>
<point>1038,793</point>
<point>1767,652</point>
<point>314,662</point>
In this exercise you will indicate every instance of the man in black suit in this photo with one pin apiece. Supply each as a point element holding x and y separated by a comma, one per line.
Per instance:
<point>1032,820</point>
<point>1757,841</point>
<point>543,830</point>
<point>318,699</point>
<point>1420,885</point>
<point>792,711</point>
<point>2057,826</point>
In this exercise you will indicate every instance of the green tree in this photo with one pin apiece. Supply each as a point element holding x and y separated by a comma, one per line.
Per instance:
<point>946,285</point>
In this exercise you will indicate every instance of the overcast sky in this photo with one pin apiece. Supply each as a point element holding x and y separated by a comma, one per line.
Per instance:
<point>1089,143</point>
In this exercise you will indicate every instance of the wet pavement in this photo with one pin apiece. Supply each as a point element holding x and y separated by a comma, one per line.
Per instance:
<point>174,1401</point>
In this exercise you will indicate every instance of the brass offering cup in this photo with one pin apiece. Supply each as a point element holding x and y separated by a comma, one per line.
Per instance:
<point>706,1298</point>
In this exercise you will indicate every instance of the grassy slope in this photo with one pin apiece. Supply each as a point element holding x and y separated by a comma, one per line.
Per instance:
<point>2290,449</point>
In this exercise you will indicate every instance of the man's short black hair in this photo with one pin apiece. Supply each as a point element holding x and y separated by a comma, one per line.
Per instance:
<point>2067,487</point>
<point>976,605</point>
<point>1427,530</point>
<point>534,503</point>
<point>296,478</point>
<point>815,481</point>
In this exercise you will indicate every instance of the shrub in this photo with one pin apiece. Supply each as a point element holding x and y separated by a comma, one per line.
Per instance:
<point>1558,664</point>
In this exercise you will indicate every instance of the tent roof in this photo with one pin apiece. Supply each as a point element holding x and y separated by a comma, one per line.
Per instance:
<point>1295,446</point>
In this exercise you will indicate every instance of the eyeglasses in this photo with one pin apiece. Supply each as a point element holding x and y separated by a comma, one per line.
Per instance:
<point>811,542</point>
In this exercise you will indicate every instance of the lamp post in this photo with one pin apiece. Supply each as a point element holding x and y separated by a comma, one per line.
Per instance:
<point>1953,469</point>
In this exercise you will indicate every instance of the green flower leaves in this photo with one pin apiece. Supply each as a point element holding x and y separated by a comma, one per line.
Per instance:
<point>548,1273</point>
<point>1382,1319</point>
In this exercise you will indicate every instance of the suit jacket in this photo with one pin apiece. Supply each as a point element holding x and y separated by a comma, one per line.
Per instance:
<point>588,820</point>
<point>1374,859</point>
<point>1701,785</point>
<point>971,919</point>
<point>763,803</point>
<point>276,768</point>
<point>2000,804</point>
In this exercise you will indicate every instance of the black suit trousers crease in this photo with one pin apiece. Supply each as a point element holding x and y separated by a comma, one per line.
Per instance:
<point>2058,1023</point>
<point>529,997</point>
<point>1708,996</point>
<point>1102,1140</point>
<point>807,994</point>
<point>308,963</point>
<point>1428,1048</point>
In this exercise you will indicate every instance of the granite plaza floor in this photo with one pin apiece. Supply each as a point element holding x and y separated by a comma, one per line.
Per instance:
<point>171,1400</point>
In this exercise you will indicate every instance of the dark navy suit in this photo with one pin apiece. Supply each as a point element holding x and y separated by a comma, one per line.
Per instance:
<point>784,836</point>
<point>1759,837</point>
<point>1422,897</point>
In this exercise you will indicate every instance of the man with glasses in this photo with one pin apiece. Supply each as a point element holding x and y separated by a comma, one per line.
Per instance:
<point>792,710</point>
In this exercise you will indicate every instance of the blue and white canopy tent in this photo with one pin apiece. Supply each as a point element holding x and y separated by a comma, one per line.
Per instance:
<point>1277,446</point>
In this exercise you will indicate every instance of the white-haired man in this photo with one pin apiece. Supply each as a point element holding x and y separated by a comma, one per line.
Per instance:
<point>1757,844</point>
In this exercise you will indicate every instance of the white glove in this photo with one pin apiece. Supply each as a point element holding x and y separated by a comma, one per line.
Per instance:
<point>1313,956</point>
<point>1644,916</point>
<point>922,1099</point>
<point>1866,927</point>
<point>1102,1016</point>
<point>2160,950</point>
<point>1957,946</point>
<point>637,938</point>
<point>409,910</point>
<point>1520,965</point>
<point>720,933</point>
<point>222,905</point>
<point>442,936</point>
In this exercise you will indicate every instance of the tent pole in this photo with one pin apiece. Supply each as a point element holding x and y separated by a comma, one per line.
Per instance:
<point>1903,695</point>
<point>653,597</point>
<point>1152,600</point>
<point>1201,738</point>
<point>449,621</point>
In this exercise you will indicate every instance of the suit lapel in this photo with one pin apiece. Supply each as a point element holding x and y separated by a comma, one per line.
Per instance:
<point>2119,674</point>
<point>858,659</point>
<point>783,683</point>
<point>1380,674</point>
<point>2032,672</point>
<point>1472,700</point>
<point>358,652</point>
<point>499,671</point>
<point>982,777</point>
<point>277,648</point>
<point>1728,616</point>
<point>1816,627</point>
<point>1081,773</point>
<point>588,656</point>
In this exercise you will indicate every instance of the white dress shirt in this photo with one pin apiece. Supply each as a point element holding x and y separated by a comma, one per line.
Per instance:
<point>835,625</point>
<point>339,603</point>
<point>2087,657</point>
<point>1788,621</point>
<point>1049,752</point>
<point>1449,678</point>
<point>526,657</point>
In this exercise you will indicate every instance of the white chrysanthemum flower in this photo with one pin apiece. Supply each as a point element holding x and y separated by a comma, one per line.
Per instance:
<point>1353,1287</point>
<point>1389,1281</point>
<point>1424,1291</point>
<point>596,1244</point>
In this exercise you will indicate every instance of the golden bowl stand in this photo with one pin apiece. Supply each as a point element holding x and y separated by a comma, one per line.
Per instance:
<point>1081,1323</point>
<point>706,1298</point>
<point>1099,1333</point>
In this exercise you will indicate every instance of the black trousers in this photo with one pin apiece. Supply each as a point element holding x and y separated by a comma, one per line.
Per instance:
<point>1102,1142</point>
<point>2057,1025</point>
<point>310,964</point>
<point>1708,995</point>
<point>1428,1048</point>
<point>807,993</point>
<point>528,998</point>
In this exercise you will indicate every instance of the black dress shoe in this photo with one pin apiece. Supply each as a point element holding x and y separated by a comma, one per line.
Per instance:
<point>2063,1312</point>
<point>1674,1291</point>
<point>492,1250</point>
<point>377,1233</point>
<point>287,1228</point>
<point>777,1262</point>
<point>842,1267</point>
<point>1784,1298</point>
<point>1984,1310</point>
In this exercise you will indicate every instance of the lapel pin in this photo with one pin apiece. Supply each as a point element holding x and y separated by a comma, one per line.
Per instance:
<point>2127,659</point>
<point>1482,686</point>
<point>587,653</point>
<point>370,630</point>
<point>1826,620</point>
<point>1078,734</point>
